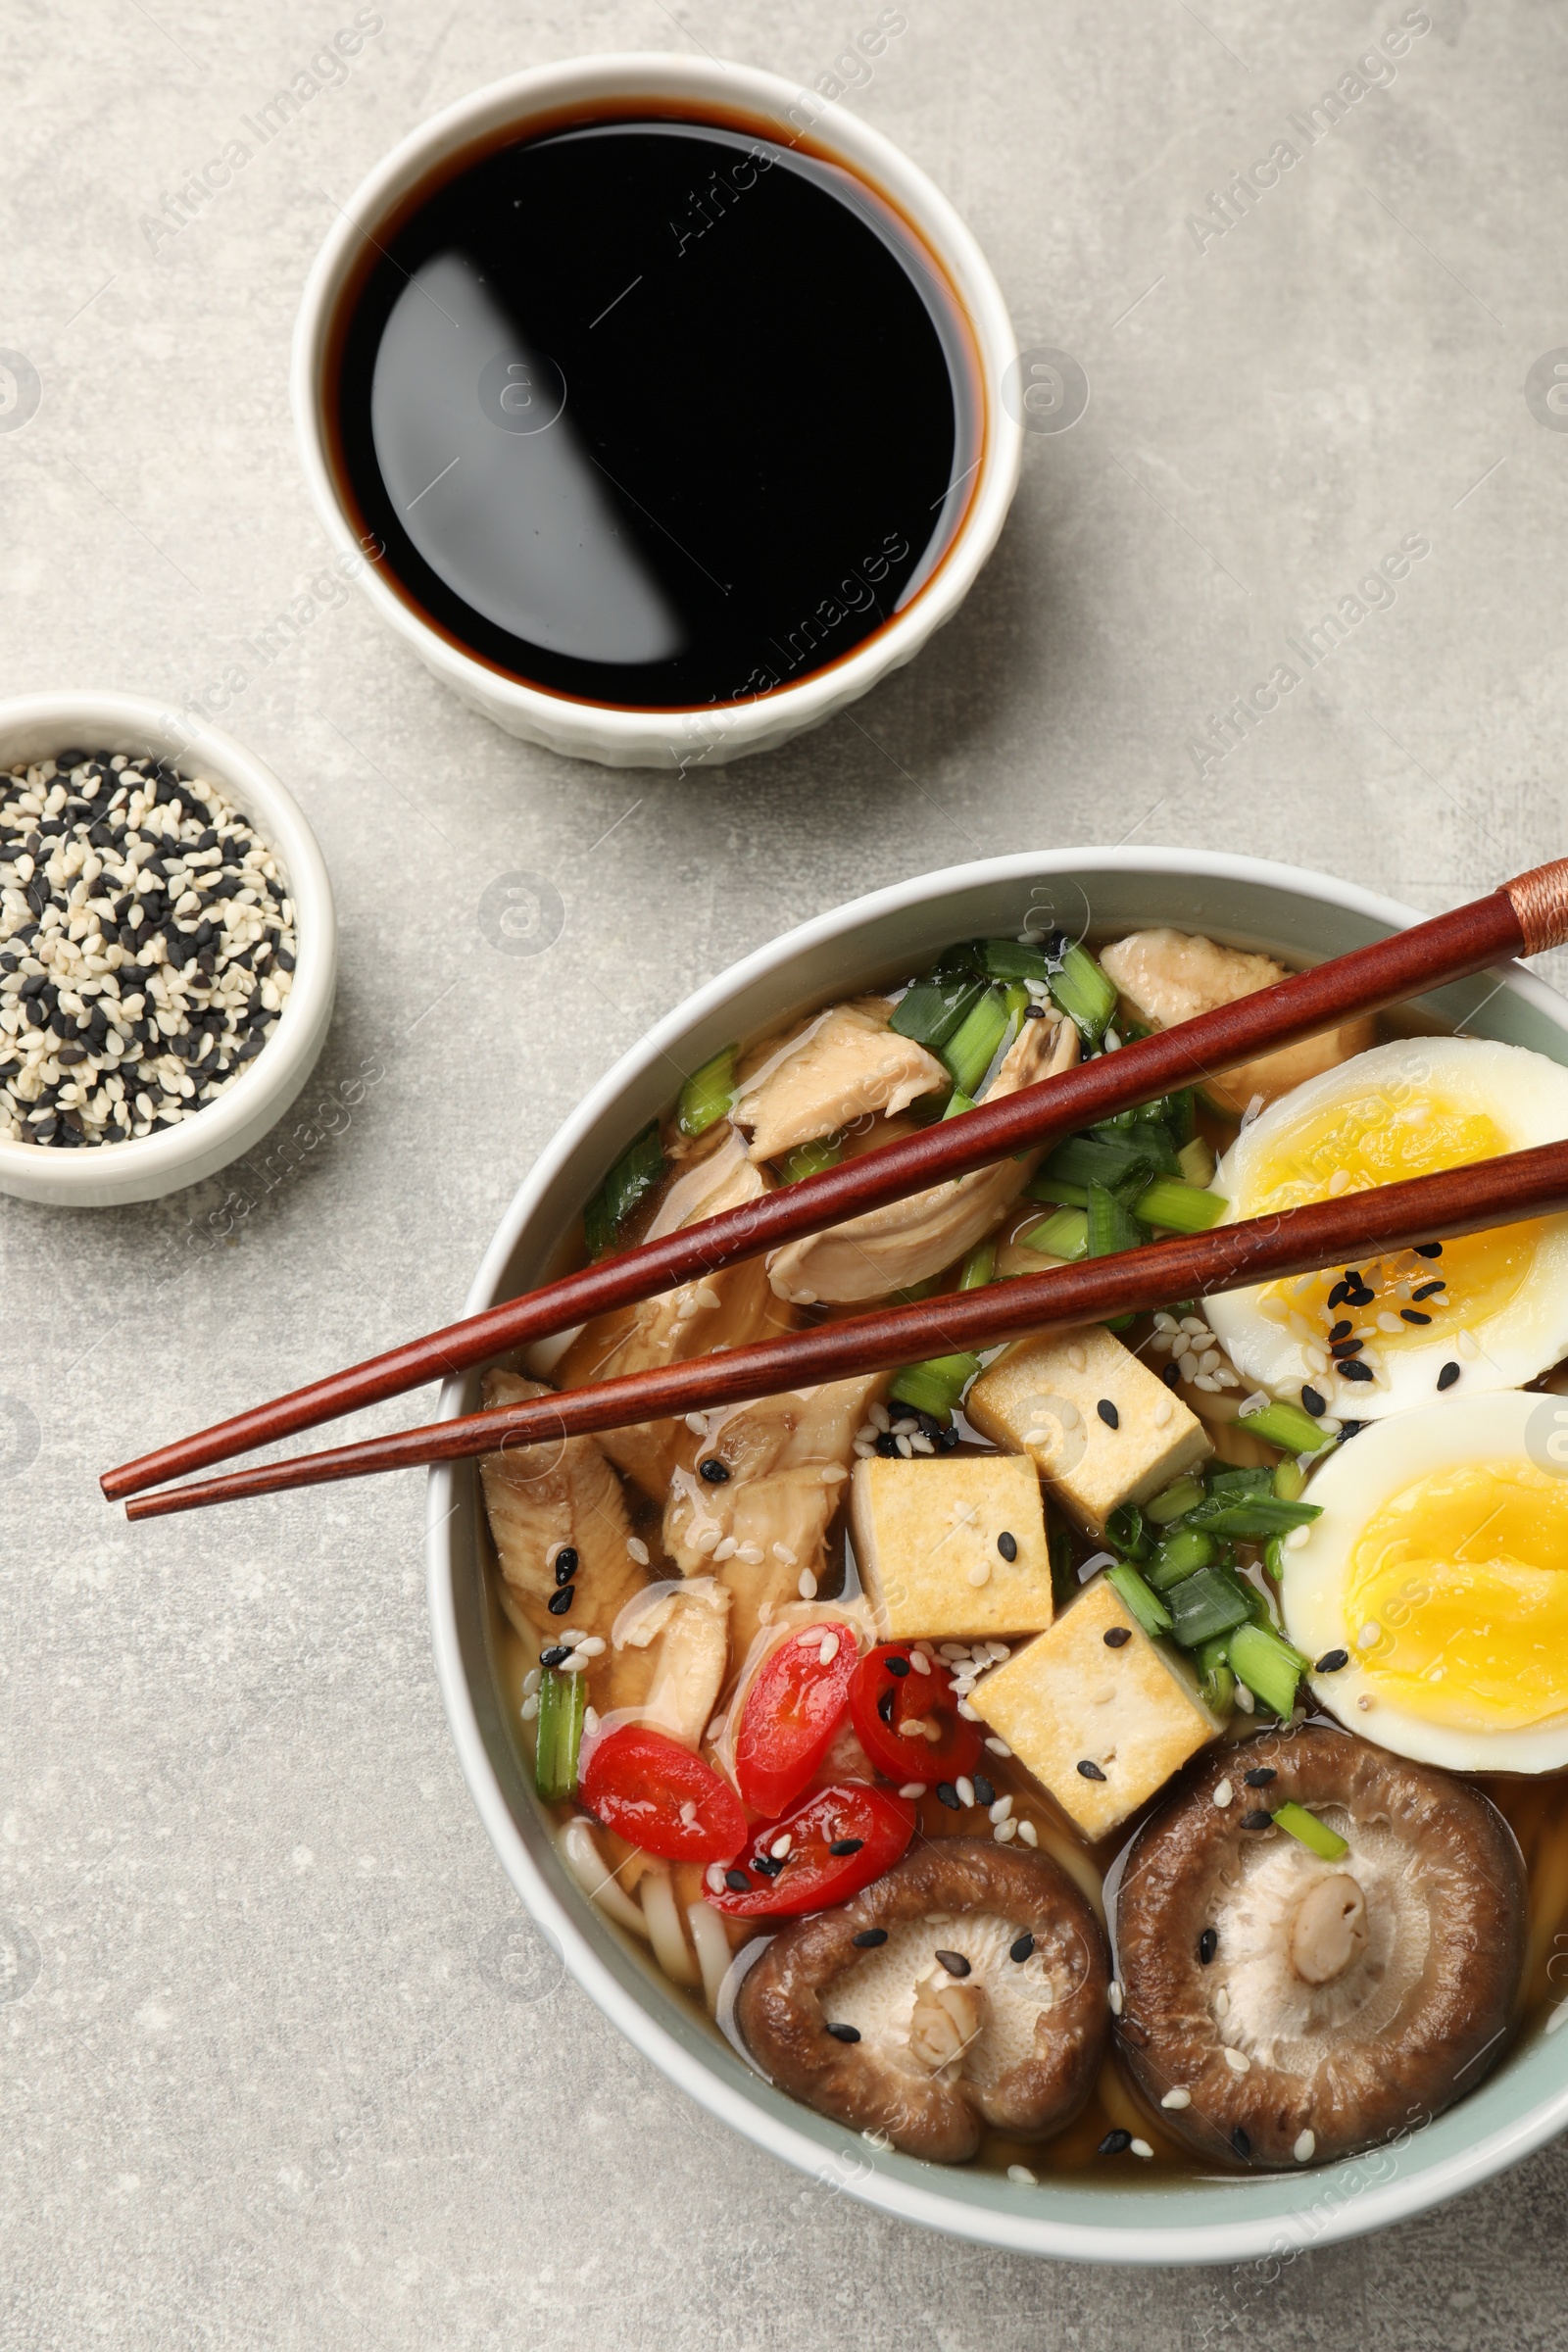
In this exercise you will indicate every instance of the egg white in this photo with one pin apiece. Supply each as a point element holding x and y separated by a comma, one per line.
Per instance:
<point>1352,1486</point>
<point>1525,1095</point>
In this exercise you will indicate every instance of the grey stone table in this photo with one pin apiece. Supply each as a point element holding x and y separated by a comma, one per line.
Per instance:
<point>283,2064</point>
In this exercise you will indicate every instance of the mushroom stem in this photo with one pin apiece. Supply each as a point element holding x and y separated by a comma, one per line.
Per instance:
<point>1329,1931</point>
<point>945,2018</point>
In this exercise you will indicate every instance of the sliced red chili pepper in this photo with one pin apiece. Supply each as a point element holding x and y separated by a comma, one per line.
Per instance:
<point>657,1794</point>
<point>888,1693</point>
<point>835,1841</point>
<point>792,1711</point>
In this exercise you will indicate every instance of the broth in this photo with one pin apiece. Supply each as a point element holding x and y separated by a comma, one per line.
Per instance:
<point>656,413</point>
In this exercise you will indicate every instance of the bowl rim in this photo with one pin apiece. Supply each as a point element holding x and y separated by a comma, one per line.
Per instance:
<point>845,137</point>
<point>102,717</point>
<point>1144,2238</point>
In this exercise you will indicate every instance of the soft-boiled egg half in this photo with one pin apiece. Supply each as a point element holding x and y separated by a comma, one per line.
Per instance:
<point>1381,1335</point>
<point>1439,1570</point>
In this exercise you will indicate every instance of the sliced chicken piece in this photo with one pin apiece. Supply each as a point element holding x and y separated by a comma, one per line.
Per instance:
<point>720,1310</point>
<point>892,1248</point>
<point>671,1656</point>
<point>848,1064</point>
<point>1168,976</point>
<point>539,1498</point>
<point>760,1528</point>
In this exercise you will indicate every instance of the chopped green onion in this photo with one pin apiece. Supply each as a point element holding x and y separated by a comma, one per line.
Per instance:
<point>1267,1666</point>
<point>1288,1427</point>
<point>809,1160</point>
<point>1196,1159</point>
<point>1010,960</point>
<point>1109,1227</point>
<point>1209,1603</point>
<point>1184,1551</point>
<point>1216,1684</point>
<point>1125,1529</point>
<point>1180,1207</point>
<point>1147,1606</point>
<point>1314,1835</point>
<point>957,1102</point>
<point>1289,1479</point>
<point>1274,1559</point>
<point>979,1267</point>
<point>1173,1501</point>
<point>1055,1188</point>
<point>707,1094</point>
<point>934,1009</point>
<point>1144,1136</point>
<point>1084,993</point>
<point>970,1052</point>
<point>935,1385</point>
<point>1177,1115</point>
<point>1063,1574</point>
<point>1253,1517</point>
<point>562,1698</point>
<point>636,1172</point>
<point>1103,1159</point>
<point>1066,1235</point>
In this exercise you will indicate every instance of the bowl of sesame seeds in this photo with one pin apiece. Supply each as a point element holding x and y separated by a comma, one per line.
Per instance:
<point>168,950</point>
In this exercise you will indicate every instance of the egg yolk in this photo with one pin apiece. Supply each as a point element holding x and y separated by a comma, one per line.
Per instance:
<point>1457,1597</point>
<point>1383,1137</point>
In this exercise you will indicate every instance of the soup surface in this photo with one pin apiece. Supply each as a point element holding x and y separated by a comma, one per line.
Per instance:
<point>658,414</point>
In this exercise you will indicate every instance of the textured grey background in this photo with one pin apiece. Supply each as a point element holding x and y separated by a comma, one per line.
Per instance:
<point>293,2069</point>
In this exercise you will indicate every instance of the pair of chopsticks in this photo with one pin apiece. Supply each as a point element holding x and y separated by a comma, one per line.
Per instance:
<point>1523,917</point>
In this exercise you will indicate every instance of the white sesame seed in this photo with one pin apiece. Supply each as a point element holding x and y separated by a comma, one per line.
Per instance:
<point>1238,2060</point>
<point>998,1748</point>
<point>782,1551</point>
<point>919,1661</point>
<point>1114,1997</point>
<point>1223,1794</point>
<point>1141,2148</point>
<point>1296,1538</point>
<point>725,1549</point>
<point>829,1649</point>
<point>697,1423</point>
<point>530,1681</point>
<point>967,1712</point>
<point>806,1584</point>
<point>1028,1834</point>
<point>529,1708</point>
<point>1001,1808</point>
<point>965,1789</point>
<point>593,1647</point>
<point>781,1846</point>
<point>1245,1699</point>
<point>713,1880</point>
<point>913,1788</point>
<point>1023,2175</point>
<point>1177,2099</point>
<point>1005,1831</point>
<point>637,1549</point>
<point>1306,2147</point>
<point>1222,2004</point>
<point>979,1574</point>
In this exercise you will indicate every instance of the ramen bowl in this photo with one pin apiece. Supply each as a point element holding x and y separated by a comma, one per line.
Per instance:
<point>1299,916</point>
<point>758,715</point>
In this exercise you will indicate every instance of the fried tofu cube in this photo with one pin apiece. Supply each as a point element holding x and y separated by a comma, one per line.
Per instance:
<point>1073,1698</point>
<point>932,1539</point>
<point>1100,1426</point>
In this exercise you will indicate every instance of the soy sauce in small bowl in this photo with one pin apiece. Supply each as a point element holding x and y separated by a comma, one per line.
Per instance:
<point>652,413</point>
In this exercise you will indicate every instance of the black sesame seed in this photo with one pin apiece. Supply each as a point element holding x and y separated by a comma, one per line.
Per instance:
<point>1353,1369</point>
<point>1090,1770</point>
<point>1115,2144</point>
<point>984,1793</point>
<point>887,1446</point>
<point>1331,1661</point>
<point>1447,1376</point>
<point>1428,1249</point>
<point>1413,1314</point>
<point>1241,2143</point>
<point>954,1963</point>
<point>1351,1429</point>
<point>845,2032</point>
<point>714,1471</point>
<point>1172,1375</point>
<point>1258,1820</point>
<point>1429,1289</point>
<point>554,1656</point>
<point>1260,1776</point>
<point>560,1604</point>
<point>948,1795</point>
<point>768,1864</point>
<point>1007,1545</point>
<point>1118,1637</point>
<point>1208,1946</point>
<point>1021,1948</point>
<point>737,1882</point>
<point>1312,1401</point>
<point>869,1939</point>
<point>1108,1414</point>
<point>846,1845</point>
<point>898,1666</point>
<point>1338,1296</point>
<point>1345,1347</point>
<point>1341,1330</point>
<point>884,1707</point>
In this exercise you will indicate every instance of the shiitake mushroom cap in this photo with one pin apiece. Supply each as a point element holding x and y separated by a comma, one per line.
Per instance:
<point>1425,2000</point>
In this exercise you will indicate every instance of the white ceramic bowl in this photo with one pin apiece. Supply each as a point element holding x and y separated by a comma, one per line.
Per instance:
<point>1302,916</point>
<point>35,726</point>
<point>666,738</point>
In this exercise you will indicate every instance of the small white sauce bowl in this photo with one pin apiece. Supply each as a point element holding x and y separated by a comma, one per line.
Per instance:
<point>714,734</point>
<point>35,726</point>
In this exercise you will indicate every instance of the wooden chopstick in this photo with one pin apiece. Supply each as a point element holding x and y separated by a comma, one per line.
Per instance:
<point>1521,917</point>
<point>1228,1257</point>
